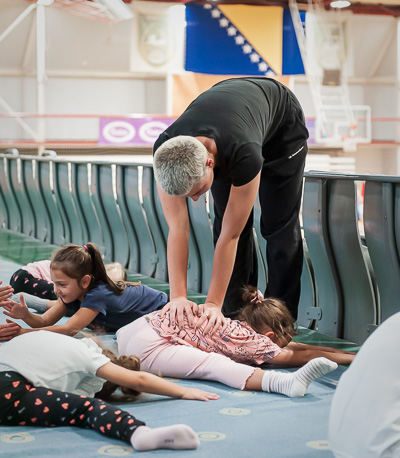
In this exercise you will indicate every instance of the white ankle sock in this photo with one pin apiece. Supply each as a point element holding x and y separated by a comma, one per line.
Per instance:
<point>33,302</point>
<point>175,437</point>
<point>295,384</point>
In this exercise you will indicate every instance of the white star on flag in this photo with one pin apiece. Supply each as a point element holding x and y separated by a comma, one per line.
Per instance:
<point>254,57</point>
<point>215,13</point>
<point>247,49</point>
<point>239,40</point>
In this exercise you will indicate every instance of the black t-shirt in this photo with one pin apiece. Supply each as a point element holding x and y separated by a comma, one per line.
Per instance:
<point>241,115</point>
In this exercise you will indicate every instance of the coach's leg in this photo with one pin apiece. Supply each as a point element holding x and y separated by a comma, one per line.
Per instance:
<point>280,198</point>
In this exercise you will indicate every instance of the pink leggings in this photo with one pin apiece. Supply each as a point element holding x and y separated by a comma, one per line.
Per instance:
<point>158,356</point>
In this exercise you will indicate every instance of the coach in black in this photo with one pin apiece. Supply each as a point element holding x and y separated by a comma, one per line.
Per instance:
<point>242,136</point>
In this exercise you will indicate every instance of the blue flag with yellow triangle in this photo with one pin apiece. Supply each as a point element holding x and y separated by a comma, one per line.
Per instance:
<point>241,40</point>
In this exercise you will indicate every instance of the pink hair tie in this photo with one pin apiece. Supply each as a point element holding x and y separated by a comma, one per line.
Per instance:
<point>86,248</point>
<point>258,298</point>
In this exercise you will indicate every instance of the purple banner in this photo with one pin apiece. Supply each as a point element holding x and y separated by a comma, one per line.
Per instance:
<point>145,131</point>
<point>138,132</point>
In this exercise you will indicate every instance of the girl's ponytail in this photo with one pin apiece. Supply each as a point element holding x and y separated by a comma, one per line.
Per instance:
<point>250,295</point>
<point>128,362</point>
<point>99,271</point>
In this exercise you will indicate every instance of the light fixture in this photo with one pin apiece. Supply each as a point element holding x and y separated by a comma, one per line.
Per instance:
<point>340,4</point>
<point>118,8</point>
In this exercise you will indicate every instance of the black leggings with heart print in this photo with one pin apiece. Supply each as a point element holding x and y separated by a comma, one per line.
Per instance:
<point>22,404</point>
<point>24,282</point>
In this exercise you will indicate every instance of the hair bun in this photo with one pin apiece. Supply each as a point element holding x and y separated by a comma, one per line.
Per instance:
<point>249,295</point>
<point>129,362</point>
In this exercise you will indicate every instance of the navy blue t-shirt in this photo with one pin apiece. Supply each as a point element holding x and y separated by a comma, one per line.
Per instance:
<point>116,310</point>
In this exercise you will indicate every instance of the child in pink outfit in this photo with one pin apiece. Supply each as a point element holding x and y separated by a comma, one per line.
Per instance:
<point>238,341</point>
<point>188,353</point>
<point>230,356</point>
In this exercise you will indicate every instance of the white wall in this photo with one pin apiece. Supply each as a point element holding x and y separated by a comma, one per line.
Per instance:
<point>88,72</point>
<point>91,68</point>
<point>87,64</point>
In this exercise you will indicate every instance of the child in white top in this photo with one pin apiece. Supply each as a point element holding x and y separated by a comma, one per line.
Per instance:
<point>48,379</point>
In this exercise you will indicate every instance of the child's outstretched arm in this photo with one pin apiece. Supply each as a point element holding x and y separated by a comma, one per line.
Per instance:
<point>290,356</point>
<point>302,346</point>
<point>79,320</point>
<point>20,311</point>
<point>46,322</point>
<point>149,383</point>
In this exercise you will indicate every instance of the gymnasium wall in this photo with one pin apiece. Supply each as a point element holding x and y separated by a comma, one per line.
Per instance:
<point>97,68</point>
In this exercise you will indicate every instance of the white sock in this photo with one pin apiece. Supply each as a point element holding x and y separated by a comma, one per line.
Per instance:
<point>295,384</point>
<point>177,437</point>
<point>33,302</point>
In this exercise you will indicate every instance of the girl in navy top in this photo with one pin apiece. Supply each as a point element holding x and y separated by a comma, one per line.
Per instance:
<point>86,291</point>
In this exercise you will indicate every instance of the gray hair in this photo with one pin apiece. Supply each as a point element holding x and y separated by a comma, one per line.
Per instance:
<point>179,164</point>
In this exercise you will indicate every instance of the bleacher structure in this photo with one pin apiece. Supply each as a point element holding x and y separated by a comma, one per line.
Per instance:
<point>346,276</point>
<point>350,283</point>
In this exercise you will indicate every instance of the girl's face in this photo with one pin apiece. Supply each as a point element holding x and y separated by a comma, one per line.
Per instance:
<point>67,288</point>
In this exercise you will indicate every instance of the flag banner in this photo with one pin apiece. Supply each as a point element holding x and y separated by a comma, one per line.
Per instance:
<point>241,40</point>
